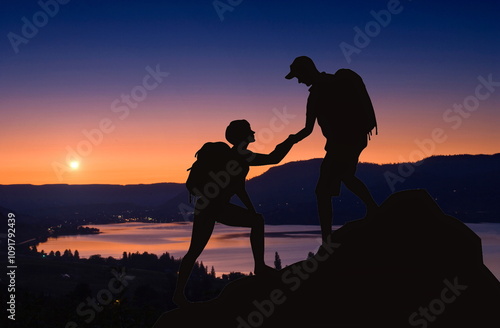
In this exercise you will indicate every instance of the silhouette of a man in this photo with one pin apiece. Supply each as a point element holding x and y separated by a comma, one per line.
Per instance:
<point>342,107</point>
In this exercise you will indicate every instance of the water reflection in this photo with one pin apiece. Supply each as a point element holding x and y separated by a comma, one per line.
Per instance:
<point>229,248</point>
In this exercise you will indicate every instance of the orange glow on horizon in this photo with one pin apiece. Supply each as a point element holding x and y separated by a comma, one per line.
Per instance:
<point>153,146</point>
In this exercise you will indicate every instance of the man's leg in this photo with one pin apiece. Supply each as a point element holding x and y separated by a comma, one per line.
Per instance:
<point>350,163</point>
<point>325,213</point>
<point>328,186</point>
<point>359,189</point>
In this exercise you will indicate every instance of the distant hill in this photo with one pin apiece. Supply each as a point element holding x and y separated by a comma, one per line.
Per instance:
<point>62,200</point>
<point>465,186</point>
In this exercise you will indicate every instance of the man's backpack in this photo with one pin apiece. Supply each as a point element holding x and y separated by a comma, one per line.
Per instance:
<point>210,159</point>
<point>354,99</point>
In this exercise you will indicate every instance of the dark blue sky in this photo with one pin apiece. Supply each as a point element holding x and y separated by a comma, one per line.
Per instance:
<point>257,38</point>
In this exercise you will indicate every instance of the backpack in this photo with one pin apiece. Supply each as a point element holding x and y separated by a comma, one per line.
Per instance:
<point>355,98</point>
<point>211,158</point>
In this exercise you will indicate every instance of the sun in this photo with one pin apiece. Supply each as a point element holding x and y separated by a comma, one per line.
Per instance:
<point>74,165</point>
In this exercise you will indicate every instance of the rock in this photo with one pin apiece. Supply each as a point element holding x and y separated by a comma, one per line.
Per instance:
<point>408,265</point>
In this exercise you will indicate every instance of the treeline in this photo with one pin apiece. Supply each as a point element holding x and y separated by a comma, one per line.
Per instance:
<point>146,261</point>
<point>71,229</point>
<point>58,287</point>
<point>67,254</point>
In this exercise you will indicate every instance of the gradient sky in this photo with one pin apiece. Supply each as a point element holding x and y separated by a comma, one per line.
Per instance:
<point>61,86</point>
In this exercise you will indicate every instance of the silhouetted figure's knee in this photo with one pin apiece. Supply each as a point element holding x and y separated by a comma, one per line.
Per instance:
<point>350,180</point>
<point>190,256</point>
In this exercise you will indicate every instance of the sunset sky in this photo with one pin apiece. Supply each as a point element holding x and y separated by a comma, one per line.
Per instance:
<point>125,92</point>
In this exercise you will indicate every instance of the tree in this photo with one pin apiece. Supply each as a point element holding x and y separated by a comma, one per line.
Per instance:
<point>212,272</point>
<point>67,253</point>
<point>204,269</point>
<point>97,258</point>
<point>76,256</point>
<point>277,261</point>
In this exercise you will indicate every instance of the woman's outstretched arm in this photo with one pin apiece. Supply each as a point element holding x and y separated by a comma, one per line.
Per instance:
<point>274,157</point>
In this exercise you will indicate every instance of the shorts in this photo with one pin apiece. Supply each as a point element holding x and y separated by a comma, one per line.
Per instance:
<point>340,161</point>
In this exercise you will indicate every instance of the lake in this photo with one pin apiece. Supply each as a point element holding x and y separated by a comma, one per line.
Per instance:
<point>229,248</point>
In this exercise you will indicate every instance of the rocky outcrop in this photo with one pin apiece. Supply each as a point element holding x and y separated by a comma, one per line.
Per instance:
<point>408,265</point>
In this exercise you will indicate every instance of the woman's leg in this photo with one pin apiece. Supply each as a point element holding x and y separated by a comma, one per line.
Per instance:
<point>203,225</point>
<point>237,216</point>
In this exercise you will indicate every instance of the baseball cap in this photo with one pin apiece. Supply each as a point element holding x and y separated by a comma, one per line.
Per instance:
<point>300,64</point>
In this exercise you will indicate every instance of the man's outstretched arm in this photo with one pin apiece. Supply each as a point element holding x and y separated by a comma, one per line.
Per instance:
<point>283,148</point>
<point>309,126</point>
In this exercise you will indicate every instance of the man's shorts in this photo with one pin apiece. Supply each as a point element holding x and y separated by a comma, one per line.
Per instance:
<point>340,161</point>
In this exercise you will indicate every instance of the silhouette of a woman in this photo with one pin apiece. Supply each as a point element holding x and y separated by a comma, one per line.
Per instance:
<point>219,209</point>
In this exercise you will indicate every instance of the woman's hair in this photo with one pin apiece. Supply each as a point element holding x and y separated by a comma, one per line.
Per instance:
<point>237,131</point>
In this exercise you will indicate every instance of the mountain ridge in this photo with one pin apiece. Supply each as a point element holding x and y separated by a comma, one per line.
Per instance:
<point>464,186</point>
